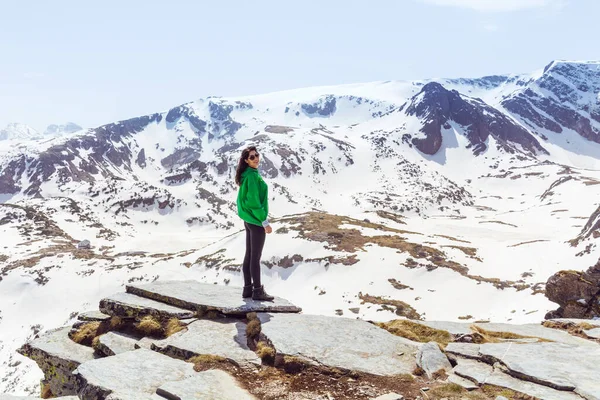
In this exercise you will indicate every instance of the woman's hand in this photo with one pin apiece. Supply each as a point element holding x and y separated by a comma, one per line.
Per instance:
<point>268,229</point>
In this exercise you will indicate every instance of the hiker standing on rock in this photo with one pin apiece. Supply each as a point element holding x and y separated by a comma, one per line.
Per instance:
<point>253,208</point>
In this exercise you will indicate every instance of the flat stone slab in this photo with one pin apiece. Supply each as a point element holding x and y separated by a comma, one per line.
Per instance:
<point>481,373</point>
<point>501,379</point>
<point>193,295</point>
<point>344,343</point>
<point>467,350</point>
<point>557,365</point>
<point>219,338</point>
<point>57,344</point>
<point>128,305</point>
<point>93,315</point>
<point>130,375</point>
<point>475,371</point>
<point>467,384</point>
<point>537,330</point>
<point>57,356</point>
<point>112,343</point>
<point>208,385</point>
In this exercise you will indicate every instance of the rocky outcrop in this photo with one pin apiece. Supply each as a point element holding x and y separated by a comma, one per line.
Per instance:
<point>438,107</point>
<point>547,364</point>
<point>58,356</point>
<point>324,107</point>
<point>571,104</point>
<point>576,292</point>
<point>193,295</point>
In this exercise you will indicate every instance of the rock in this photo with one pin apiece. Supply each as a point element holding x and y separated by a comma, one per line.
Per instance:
<point>93,315</point>
<point>482,373</point>
<point>84,244</point>
<point>467,350</point>
<point>207,337</point>
<point>431,359</point>
<point>557,365</point>
<point>390,396</point>
<point>501,398</point>
<point>472,370</point>
<point>576,292</point>
<point>207,385</point>
<point>130,375</point>
<point>465,383</point>
<point>537,330</point>
<point>131,306</point>
<point>57,356</point>
<point>344,343</point>
<point>501,379</point>
<point>193,295</point>
<point>112,343</point>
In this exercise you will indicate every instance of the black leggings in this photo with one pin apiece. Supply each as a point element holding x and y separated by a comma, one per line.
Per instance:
<point>255,241</point>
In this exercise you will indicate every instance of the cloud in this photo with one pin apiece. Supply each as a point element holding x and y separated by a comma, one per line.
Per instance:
<point>498,5</point>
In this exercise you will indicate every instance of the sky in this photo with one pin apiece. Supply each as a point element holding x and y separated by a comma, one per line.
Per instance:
<point>98,62</point>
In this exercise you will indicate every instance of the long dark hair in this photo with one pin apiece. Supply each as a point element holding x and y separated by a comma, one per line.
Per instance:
<point>242,164</point>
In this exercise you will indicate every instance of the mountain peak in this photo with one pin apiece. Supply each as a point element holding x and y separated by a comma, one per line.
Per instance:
<point>69,127</point>
<point>16,130</point>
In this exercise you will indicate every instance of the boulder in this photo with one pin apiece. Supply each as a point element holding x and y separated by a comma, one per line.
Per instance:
<point>431,359</point>
<point>193,295</point>
<point>390,396</point>
<point>537,331</point>
<point>207,385</point>
<point>128,305</point>
<point>208,337</point>
<point>131,375</point>
<point>344,343</point>
<point>58,356</point>
<point>576,292</point>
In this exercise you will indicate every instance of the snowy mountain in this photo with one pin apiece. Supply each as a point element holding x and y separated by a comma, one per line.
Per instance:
<point>16,131</point>
<point>450,199</point>
<point>59,130</point>
<point>21,132</point>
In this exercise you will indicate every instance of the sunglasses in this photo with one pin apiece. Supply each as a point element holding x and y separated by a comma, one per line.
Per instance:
<point>253,156</point>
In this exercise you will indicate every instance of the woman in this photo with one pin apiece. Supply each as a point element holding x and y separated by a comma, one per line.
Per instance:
<point>253,208</point>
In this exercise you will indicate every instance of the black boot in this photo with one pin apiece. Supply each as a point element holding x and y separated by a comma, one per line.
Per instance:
<point>260,294</point>
<point>247,292</point>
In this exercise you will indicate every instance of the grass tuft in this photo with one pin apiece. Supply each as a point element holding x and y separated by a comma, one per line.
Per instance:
<point>417,332</point>
<point>149,326</point>
<point>253,329</point>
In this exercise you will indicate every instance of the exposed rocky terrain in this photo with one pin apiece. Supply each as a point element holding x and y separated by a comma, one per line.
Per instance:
<point>449,200</point>
<point>217,346</point>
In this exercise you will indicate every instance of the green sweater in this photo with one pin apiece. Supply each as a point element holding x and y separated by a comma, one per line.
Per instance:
<point>253,199</point>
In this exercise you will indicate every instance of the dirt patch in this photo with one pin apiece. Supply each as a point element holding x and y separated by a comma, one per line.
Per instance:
<point>397,306</point>
<point>469,251</point>
<point>398,285</point>
<point>391,216</point>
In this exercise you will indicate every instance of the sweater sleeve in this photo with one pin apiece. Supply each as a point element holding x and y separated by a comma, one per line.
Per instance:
<point>253,200</point>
